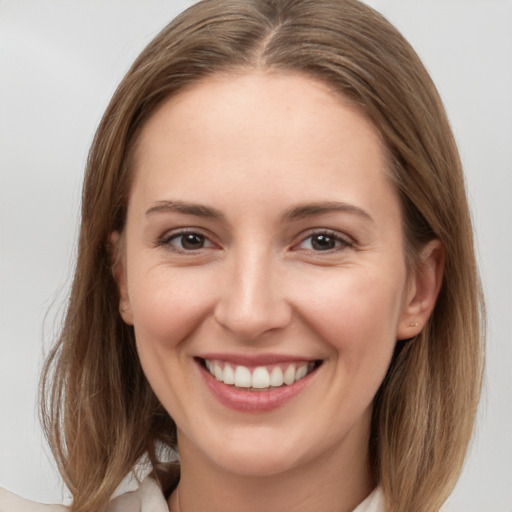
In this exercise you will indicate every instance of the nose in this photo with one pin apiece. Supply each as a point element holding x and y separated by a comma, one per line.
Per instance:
<point>252,301</point>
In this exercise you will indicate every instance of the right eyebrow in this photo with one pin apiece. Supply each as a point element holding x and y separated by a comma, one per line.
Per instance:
<point>199,210</point>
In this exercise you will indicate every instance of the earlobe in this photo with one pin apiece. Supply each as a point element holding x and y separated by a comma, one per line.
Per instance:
<point>117,262</point>
<point>424,286</point>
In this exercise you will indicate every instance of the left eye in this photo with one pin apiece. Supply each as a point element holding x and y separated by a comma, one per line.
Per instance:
<point>322,242</point>
<point>189,241</point>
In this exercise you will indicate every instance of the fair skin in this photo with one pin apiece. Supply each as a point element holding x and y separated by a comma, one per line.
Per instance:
<point>293,255</point>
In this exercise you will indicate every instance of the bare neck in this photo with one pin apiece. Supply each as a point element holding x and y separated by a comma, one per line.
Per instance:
<point>333,482</point>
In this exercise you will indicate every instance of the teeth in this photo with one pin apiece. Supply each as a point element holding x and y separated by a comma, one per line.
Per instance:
<point>217,371</point>
<point>228,376</point>
<point>242,377</point>
<point>289,375</point>
<point>276,377</point>
<point>301,372</point>
<point>260,377</point>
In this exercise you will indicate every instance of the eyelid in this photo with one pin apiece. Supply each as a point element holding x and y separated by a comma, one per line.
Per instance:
<point>166,239</point>
<point>344,240</point>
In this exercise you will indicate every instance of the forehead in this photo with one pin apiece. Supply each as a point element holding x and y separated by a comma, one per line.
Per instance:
<point>273,137</point>
<point>224,101</point>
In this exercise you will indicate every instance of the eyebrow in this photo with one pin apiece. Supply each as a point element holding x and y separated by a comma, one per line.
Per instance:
<point>293,214</point>
<point>322,208</point>
<point>198,210</point>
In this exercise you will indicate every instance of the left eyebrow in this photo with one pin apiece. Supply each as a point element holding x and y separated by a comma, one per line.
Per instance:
<point>324,207</point>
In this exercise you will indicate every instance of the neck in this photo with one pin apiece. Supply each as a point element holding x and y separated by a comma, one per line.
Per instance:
<point>333,482</point>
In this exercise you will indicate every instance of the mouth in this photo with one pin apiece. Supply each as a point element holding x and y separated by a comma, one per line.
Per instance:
<point>259,378</point>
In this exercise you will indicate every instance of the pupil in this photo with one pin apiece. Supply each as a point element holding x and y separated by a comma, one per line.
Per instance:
<point>322,242</point>
<point>192,241</point>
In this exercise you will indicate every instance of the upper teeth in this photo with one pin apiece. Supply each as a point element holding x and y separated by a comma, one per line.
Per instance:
<point>260,377</point>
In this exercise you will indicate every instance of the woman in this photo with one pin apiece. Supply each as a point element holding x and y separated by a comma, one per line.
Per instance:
<point>276,274</point>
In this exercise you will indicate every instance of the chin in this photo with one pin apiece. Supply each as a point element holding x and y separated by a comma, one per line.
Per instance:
<point>264,450</point>
<point>256,461</point>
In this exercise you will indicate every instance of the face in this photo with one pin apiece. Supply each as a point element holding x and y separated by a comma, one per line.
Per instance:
<point>262,267</point>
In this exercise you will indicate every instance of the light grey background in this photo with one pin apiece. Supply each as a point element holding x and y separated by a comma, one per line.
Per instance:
<point>60,61</point>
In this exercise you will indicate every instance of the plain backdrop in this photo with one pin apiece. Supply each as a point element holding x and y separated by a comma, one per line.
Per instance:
<point>60,61</point>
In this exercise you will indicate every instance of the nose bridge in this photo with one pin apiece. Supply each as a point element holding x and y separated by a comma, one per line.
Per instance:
<point>253,300</point>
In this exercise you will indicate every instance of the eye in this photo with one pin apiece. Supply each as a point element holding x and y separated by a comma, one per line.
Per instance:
<point>187,241</point>
<point>324,241</point>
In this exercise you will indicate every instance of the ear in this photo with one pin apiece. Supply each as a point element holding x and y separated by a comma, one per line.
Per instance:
<point>423,288</point>
<point>118,266</point>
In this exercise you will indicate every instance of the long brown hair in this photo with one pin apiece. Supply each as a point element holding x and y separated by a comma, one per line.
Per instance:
<point>98,410</point>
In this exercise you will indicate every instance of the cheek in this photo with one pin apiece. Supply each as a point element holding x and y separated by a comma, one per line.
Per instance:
<point>357,313</point>
<point>164,318</point>
<point>167,306</point>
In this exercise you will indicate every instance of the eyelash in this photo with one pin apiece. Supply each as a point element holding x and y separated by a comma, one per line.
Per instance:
<point>342,242</point>
<point>167,239</point>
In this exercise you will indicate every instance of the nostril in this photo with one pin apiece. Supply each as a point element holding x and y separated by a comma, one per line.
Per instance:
<point>249,323</point>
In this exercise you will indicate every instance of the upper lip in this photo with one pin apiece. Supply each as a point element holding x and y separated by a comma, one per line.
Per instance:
<point>255,359</point>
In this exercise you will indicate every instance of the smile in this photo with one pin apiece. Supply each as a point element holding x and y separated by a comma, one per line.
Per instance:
<point>259,378</point>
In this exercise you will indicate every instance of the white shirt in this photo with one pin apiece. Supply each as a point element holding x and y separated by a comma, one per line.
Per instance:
<point>146,497</point>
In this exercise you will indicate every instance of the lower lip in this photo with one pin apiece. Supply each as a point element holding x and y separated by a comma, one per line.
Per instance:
<point>242,400</point>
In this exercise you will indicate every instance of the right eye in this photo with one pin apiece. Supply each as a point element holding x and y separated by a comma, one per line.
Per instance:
<point>187,241</point>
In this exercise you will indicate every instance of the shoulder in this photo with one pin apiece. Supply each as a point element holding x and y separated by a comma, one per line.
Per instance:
<point>144,496</point>
<point>10,502</point>
<point>373,503</point>
<point>147,496</point>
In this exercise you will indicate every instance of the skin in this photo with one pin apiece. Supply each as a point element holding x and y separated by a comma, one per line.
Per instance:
<point>253,147</point>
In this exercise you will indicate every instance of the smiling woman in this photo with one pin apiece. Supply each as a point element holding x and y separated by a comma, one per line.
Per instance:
<point>275,277</point>
<point>267,274</point>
